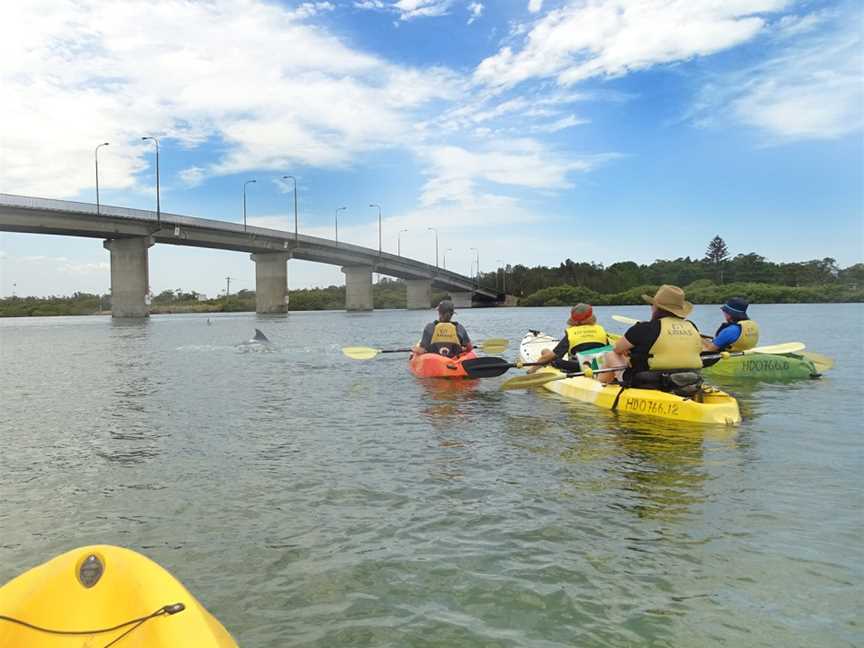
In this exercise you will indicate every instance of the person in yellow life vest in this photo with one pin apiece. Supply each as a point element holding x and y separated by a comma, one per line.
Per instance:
<point>738,332</point>
<point>444,336</point>
<point>655,350</point>
<point>583,333</point>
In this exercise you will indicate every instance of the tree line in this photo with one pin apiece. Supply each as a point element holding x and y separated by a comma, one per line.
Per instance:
<point>716,266</point>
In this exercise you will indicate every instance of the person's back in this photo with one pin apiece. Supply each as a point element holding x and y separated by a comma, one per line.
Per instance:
<point>444,336</point>
<point>665,346</point>
<point>738,332</point>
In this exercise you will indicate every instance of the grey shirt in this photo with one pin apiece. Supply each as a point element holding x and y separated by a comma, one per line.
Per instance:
<point>426,340</point>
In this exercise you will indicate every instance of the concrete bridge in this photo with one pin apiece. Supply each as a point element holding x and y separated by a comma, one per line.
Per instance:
<point>129,233</point>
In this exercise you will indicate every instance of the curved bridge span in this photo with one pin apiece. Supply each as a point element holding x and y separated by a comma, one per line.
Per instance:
<point>129,233</point>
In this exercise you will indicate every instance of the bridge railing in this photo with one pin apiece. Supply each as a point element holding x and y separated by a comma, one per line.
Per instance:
<point>368,255</point>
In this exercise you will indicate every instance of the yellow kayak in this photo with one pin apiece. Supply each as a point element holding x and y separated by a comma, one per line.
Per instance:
<point>710,406</point>
<point>103,595</point>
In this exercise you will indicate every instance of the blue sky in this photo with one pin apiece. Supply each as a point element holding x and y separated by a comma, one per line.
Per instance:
<point>533,130</point>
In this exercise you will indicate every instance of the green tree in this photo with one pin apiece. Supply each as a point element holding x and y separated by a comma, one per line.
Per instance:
<point>716,255</point>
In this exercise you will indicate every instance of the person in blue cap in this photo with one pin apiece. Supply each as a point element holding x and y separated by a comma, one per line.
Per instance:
<point>738,332</point>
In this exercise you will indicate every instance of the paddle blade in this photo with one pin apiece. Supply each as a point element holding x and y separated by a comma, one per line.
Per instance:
<point>533,380</point>
<point>485,367</point>
<point>777,349</point>
<point>821,362</point>
<point>360,353</point>
<point>625,320</point>
<point>494,345</point>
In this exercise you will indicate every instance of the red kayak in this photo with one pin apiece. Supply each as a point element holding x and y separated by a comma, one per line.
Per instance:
<point>432,365</point>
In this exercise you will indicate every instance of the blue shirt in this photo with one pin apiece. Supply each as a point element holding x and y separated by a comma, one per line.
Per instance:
<point>728,336</point>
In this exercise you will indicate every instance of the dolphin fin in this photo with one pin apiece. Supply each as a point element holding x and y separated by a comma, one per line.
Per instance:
<point>260,337</point>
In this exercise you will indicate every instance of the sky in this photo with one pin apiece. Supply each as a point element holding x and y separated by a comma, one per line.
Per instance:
<point>531,130</point>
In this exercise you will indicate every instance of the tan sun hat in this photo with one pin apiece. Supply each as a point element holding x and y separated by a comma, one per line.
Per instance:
<point>670,298</point>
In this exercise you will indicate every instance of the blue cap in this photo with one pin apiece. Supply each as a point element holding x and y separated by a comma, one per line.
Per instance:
<point>736,307</point>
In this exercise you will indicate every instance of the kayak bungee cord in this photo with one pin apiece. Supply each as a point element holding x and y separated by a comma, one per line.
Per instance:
<point>174,608</point>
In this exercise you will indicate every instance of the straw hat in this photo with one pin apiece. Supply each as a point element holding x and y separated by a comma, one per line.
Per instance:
<point>670,298</point>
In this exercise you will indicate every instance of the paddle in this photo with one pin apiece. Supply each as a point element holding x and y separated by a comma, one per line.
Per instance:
<point>629,320</point>
<point>491,367</point>
<point>821,362</point>
<point>535,380</point>
<point>492,345</point>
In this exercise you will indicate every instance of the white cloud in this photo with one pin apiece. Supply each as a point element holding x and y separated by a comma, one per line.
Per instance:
<point>455,172</point>
<point>192,177</point>
<point>559,124</point>
<point>310,9</point>
<point>370,4</point>
<point>535,5</point>
<point>812,90</point>
<point>612,37</point>
<point>409,9</point>
<point>475,10</point>
<point>85,268</point>
<point>284,91</point>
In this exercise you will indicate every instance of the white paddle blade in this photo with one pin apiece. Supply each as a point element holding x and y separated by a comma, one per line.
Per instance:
<point>625,320</point>
<point>777,349</point>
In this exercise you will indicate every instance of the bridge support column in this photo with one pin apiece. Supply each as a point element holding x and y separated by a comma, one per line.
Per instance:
<point>271,282</point>
<point>130,276</point>
<point>461,299</point>
<point>358,288</point>
<point>419,293</point>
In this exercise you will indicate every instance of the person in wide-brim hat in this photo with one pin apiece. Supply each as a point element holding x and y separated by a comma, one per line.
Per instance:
<point>670,299</point>
<point>668,342</point>
<point>738,332</point>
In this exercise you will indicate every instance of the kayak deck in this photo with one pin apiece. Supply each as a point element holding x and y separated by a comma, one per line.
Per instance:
<point>130,586</point>
<point>765,367</point>
<point>713,406</point>
<point>434,365</point>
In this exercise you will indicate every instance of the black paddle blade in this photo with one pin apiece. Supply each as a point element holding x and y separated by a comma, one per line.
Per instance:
<point>486,367</point>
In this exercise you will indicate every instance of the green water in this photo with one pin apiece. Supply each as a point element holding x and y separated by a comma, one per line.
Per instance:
<point>310,500</point>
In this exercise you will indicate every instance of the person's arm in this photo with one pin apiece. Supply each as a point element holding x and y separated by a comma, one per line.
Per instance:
<point>425,341</point>
<point>548,356</point>
<point>727,337</point>
<point>623,345</point>
<point>464,340</point>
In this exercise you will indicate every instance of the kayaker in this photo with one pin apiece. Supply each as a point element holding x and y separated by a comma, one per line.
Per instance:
<point>583,333</point>
<point>662,352</point>
<point>443,336</point>
<point>738,332</point>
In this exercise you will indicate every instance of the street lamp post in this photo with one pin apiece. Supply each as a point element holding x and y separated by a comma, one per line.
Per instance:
<point>96,155</point>
<point>503,276</point>
<point>435,229</point>
<point>296,230</point>
<point>445,256</point>
<point>244,201</point>
<point>158,209</point>
<point>338,209</point>
<point>399,242</point>
<point>379,226</point>
<point>477,252</point>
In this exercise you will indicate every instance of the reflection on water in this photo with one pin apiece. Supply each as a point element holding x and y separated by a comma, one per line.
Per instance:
<point>310,500</point>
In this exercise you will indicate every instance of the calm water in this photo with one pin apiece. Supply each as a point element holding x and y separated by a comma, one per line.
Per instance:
<point>310,500</point>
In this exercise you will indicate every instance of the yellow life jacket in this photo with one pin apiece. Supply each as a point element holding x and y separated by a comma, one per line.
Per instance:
<point>585,334</point>
<point>749,337</point>
<point>445,335</point>
<point>677,347</point>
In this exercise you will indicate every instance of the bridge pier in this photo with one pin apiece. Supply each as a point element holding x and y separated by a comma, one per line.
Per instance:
<point>419,293</point>
<point>271,282</point>
<point>130,275</point>
<point>461,299</point>
<point>358,288</point>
